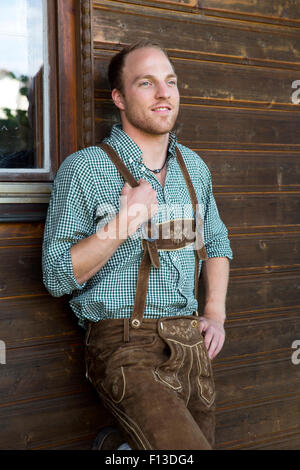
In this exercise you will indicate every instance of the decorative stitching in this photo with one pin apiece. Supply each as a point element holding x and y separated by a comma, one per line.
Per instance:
<point>118,413</point>
<point>207,402</point>
<point>183,344</point>
<point>124,388</point>
<point>175,373</point>
<point>188,377</point>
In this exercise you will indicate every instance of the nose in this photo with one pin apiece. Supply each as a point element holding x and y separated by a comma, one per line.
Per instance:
<point>162,90</point>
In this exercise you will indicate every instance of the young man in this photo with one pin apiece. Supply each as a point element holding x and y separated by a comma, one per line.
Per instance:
<point>132,262</point>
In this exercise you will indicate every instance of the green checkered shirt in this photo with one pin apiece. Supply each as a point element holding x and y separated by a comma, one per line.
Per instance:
<point>86,195</point>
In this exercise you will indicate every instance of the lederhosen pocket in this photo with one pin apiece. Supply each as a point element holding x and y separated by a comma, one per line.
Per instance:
<point>186,345</point>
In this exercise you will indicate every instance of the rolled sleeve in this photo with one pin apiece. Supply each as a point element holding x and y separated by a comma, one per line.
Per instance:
<point>69,219</point>
<point>60,279</point>
<point>216,239</point>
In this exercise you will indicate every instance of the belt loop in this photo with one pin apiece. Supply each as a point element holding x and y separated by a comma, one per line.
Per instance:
<point>126,330</point>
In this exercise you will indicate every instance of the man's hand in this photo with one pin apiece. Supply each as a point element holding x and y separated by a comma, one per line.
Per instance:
<point>214,335</point>
<point>138,204</point>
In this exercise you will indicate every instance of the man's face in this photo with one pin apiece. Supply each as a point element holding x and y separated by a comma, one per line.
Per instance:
<point>150,97</point>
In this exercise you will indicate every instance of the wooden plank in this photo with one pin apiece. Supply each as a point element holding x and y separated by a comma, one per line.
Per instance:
<point>18,212</point>
<point>212,83</point>
<point>82,443</point>
<point>283,12</point>
<point>254,170</point>
<point>261,336</point>
<point>243,427</point>
<point>265,253</point>
<point>256,383</point>
<point>280,9</point>
<point>35,320</point>
<point>54,422</point>
<point>180,5</point>
<point>20,231</point>
<point>259,209</point>
<point>21,263</point>
<point>289,441</point>
<point>119,24</point>
<point>212,125</point>
<point>262,292</point>
<point>32,373</point>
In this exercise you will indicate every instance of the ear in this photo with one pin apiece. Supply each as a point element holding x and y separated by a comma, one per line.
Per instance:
<point>118,99</point>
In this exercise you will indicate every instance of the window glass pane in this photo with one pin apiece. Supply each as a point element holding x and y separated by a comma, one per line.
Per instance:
<point>23,84</point>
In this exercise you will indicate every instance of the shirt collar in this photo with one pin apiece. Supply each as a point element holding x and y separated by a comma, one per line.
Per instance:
<point>128,149</point>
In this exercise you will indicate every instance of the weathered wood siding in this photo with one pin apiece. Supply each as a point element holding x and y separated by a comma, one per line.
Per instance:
<point>236,62</point>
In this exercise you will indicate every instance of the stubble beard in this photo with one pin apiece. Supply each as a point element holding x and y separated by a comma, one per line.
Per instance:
<point>151,126</point>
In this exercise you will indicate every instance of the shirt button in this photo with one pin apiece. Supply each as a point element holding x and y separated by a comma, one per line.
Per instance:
<point>130,160</point>
<point>143,168</point>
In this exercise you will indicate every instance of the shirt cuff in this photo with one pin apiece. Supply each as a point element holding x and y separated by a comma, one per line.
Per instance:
<point>219,249</point>
<point>65,274</point>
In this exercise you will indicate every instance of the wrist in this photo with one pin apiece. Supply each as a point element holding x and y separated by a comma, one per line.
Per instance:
<point>128,225</point>
<point>215,312</point>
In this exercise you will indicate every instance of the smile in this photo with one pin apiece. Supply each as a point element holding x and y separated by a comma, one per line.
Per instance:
<point>161,109</point>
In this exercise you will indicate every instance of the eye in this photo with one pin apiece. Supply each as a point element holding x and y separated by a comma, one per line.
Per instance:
<point>172,82</point>
<point>145,83</point>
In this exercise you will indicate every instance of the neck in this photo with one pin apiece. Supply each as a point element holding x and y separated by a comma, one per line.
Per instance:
<point>153,147</point>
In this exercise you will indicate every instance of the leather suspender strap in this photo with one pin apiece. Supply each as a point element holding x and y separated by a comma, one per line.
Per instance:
<point>200,247</point>
<point>150,254</point>
<point>118,162</point>
<point>200,250</point>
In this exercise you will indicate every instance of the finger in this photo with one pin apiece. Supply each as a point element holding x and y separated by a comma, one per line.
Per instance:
<point>219,347</point>
<point>220,344</point>
<point>208,337</point>
<point>213,346</point>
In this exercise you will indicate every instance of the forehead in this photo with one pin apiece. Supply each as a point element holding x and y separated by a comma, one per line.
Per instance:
<point>147,60</point>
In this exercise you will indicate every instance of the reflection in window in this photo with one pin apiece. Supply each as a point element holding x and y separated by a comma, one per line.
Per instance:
<point>23,85</point>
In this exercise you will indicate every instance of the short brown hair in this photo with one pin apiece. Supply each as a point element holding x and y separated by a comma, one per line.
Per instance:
<point>116,64</point>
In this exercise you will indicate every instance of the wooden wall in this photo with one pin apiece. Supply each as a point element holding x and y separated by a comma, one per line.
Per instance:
<point>45,401</point>
<point>236,62</point>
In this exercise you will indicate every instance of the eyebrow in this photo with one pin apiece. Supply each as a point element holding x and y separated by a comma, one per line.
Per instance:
<point>140,77</point>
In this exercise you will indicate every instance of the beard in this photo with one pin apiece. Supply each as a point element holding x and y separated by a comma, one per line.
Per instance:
<point>153,125</point>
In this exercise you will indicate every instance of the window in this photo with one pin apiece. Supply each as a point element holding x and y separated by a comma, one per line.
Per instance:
<point>46,98</point>
<point>24,91</point>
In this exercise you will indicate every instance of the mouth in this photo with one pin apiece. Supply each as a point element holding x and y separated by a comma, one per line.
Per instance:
<point>162,109</point>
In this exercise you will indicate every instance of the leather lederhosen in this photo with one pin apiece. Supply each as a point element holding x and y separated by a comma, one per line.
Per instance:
<point>175,241</point>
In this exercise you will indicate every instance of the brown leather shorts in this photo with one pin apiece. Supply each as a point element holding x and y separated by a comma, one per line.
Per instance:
<point>156,380</point>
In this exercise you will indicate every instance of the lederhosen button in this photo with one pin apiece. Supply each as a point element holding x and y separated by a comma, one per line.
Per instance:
<point>135,323</point>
